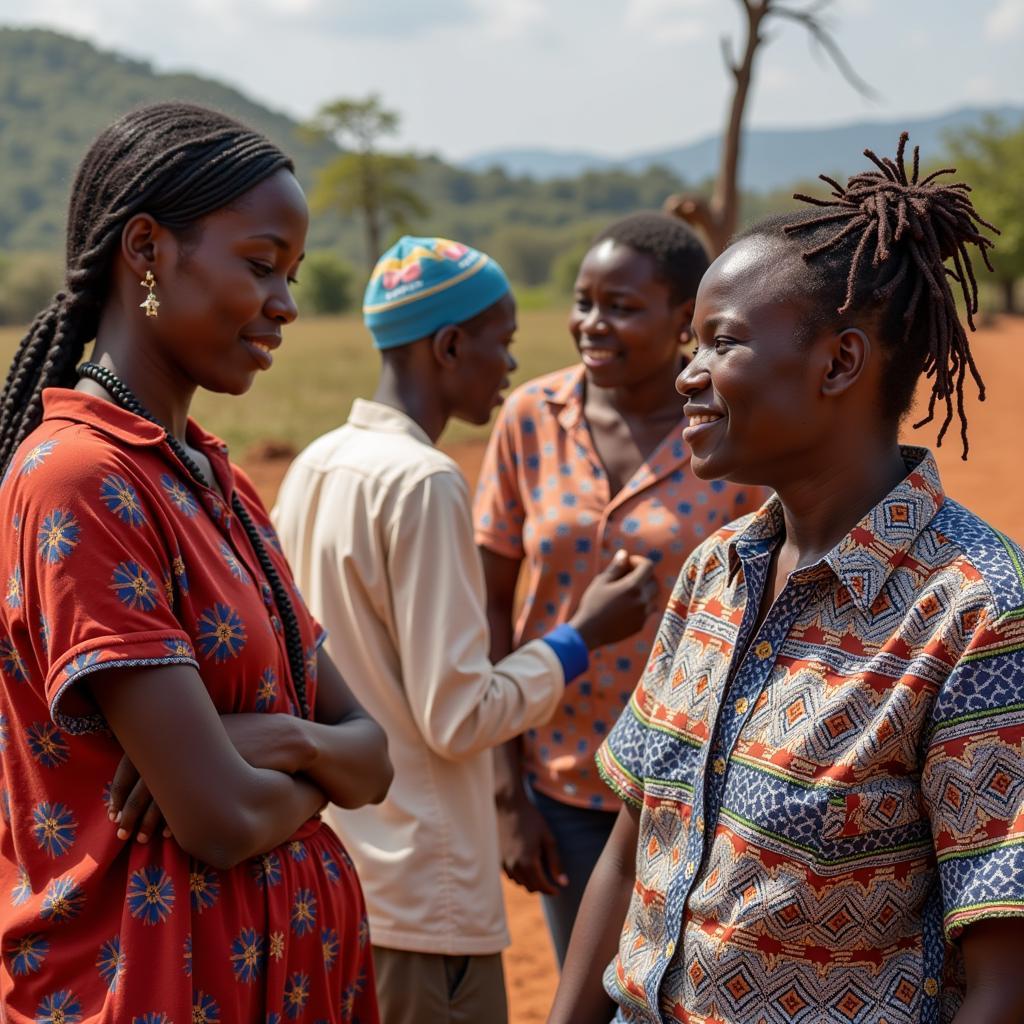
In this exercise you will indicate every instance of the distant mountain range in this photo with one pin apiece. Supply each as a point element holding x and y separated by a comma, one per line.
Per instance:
<point>772,157</point>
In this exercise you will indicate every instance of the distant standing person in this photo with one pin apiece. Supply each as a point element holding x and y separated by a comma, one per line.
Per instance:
<point>157,663</point>
<point>581,463</point>
<point>377,523</point>
<point>822,767</point>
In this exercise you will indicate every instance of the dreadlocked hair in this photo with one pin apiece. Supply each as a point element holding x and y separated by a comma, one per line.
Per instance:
<point>175,161</point>
<point>679,257</point>
<point>880,245</point>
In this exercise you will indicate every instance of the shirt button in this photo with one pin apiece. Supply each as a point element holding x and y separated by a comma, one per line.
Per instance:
<point>741,706</point>
<point>931,987</point>
<point>690,868</point>
<point>699,824</point>
<point>670,949</point>
<point>718,765</point>
<point>763,650</point>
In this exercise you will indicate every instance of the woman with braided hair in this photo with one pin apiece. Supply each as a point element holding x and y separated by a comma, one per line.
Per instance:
<point>822,765</point>
<point>169,725</point>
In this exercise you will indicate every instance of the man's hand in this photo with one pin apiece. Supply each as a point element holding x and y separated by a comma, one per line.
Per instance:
<point>529,853</point>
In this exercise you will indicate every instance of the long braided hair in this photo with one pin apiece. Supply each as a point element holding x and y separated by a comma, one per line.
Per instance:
<point>177,162</point>
<point>880,245</point>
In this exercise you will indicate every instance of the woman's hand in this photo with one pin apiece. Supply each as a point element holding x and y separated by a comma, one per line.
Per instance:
<point>132,807</point>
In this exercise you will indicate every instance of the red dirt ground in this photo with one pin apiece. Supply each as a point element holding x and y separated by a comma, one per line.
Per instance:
<point>991,483</point>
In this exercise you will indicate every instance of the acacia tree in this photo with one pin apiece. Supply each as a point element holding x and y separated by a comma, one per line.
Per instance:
<point>363,180</point>
<point>717,217</point>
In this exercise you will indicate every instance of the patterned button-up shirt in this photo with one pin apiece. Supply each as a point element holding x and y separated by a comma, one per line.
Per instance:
<point>823,814</point>
<point>544,498</point>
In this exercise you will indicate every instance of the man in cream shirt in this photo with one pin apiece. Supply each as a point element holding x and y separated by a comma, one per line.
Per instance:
<point>376,523</point>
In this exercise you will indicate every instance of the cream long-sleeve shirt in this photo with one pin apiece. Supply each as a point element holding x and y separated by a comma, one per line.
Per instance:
<point>376,524</point>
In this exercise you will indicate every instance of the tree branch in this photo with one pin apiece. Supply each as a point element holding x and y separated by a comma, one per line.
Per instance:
<point>810,20</point>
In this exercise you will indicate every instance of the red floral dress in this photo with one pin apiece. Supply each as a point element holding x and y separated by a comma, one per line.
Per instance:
<point>110,553</point>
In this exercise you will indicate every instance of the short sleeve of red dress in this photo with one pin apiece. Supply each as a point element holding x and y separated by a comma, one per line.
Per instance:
<point>96,570</point>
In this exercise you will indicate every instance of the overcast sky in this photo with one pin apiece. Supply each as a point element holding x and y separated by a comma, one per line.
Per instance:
<point>613,76</point>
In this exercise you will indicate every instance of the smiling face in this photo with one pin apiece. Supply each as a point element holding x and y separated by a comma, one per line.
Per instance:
<point>753,390</point>
<point>224,287</point>
<point>624,323</point>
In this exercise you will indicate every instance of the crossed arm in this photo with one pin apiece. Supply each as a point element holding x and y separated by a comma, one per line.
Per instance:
<point>273,771</point>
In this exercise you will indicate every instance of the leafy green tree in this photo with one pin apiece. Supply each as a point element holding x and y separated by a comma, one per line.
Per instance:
<point>326,284</point>
<point>991,158</point>
<point>364,180</point>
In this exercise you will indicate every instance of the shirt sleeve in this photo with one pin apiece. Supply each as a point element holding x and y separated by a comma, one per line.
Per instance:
<point>498,510</point>
<point>462,704</point>
<point>620,758</point>
<point>973,777</point>
<point>97,574</point>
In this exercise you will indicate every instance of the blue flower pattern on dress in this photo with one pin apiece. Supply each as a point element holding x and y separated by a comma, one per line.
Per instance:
<point>150,894</point>
<point>27,954</point>
<point>122,499</point>
<point>203,888</point>
<point>248,955</point>
<point>111,962</point>
<point>220,633</point>
<point>36,457</point>
<point>11,662</point>
<point>78,664</point>
<point>303,911</point>
<point>205,1009</point>
<point>134,586</point>
<point>235,567</point>
<point>58,536</point>
<point>63,900</point>
<point>54,828</point>
<point>329,946</point>
<point>266,691</point>
<point>14,589</point>
<point>47,745</point>
<point>266,870</point>
<point>61,1007</point>
<point>179,495</point>
<point>21,891</point>
<point>296,994</point>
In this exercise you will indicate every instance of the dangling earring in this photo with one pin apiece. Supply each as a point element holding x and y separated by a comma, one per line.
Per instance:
<point>150,303</point>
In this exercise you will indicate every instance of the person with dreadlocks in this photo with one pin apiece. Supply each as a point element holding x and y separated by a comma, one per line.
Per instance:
<point>169,725</point>
<point>821,767</point>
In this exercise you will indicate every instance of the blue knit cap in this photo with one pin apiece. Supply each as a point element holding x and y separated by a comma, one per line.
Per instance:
<point>422,284</point>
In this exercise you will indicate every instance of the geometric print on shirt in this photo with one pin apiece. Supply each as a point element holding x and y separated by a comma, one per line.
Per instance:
<point>822,815</point>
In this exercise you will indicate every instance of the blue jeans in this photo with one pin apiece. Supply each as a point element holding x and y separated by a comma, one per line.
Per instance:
<point>580,833</point>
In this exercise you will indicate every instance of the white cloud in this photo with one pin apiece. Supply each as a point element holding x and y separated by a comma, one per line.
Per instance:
<point>1005,20</point>
<point>982,87</point>
<point>513,19</point>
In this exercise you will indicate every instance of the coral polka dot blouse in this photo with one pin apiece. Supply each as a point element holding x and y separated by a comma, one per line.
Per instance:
<point>111,555</point>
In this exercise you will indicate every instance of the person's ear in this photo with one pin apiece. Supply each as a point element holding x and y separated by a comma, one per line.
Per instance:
<point>143,241</point>
<point>849,353</point>
<point>446,345</point>
<point>684,321</point>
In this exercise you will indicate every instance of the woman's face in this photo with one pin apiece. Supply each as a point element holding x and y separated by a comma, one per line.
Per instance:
<point>224,290</point>
<point>623,320</point>
<point>753,389</point>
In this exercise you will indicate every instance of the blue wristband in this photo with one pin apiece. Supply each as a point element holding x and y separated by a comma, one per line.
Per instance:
<point>570,650</point>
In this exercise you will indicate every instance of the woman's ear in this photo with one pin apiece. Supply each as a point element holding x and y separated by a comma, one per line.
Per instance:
<point>141,239</point>
<point>850,351</point>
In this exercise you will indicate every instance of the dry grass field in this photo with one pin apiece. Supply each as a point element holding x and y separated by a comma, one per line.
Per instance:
<point>325,363</point>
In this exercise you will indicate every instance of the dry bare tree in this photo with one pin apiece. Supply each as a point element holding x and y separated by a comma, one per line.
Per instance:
<point>717,217</point>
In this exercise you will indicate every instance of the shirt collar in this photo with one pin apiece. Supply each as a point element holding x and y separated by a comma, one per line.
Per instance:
<point>376,416</point>
<point>865,558</point>
<point>568,397</point>
<point>109,418</point>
